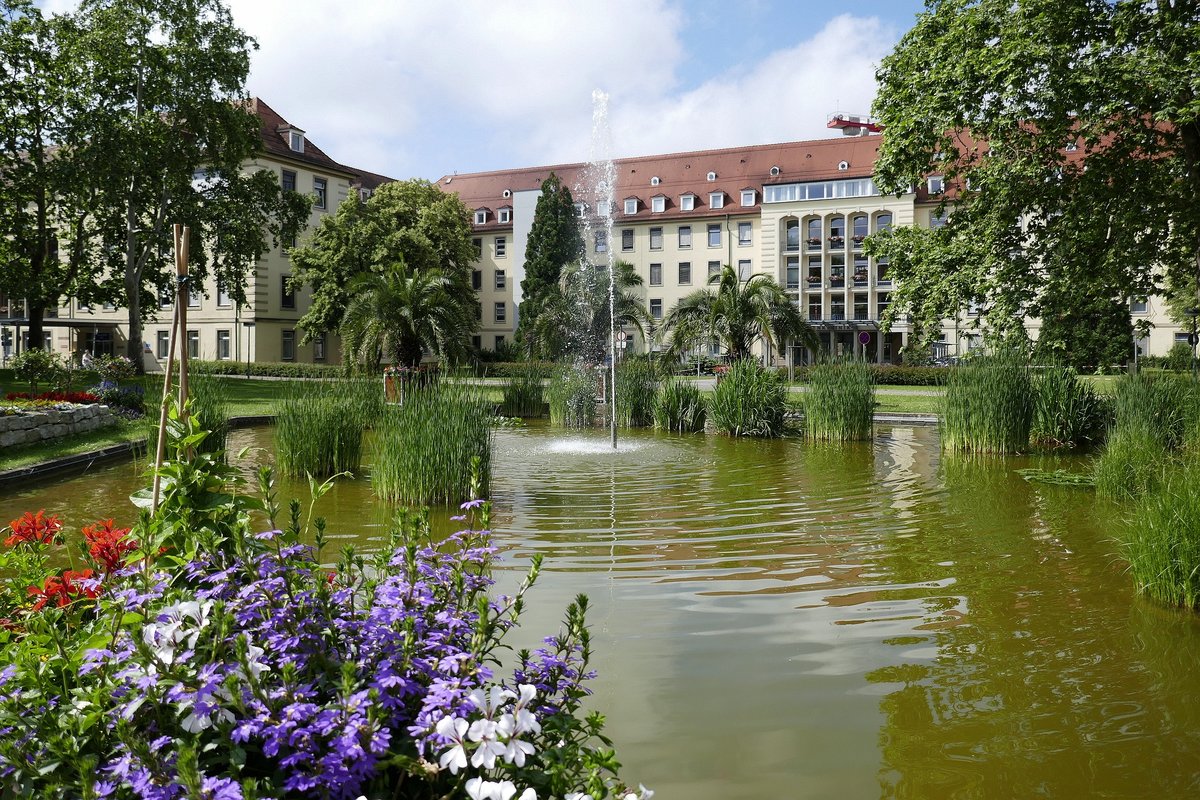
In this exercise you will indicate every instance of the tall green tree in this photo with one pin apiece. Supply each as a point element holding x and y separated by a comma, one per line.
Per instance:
<point>738,314</point>
<point>1068,131</point>
<point>167,128</point>
<point>405,229</point>
<point>554,242</point>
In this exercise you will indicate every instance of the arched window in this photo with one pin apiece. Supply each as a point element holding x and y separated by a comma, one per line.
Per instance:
<point>814,233</point>
<point>791,239</point>
<point>883,222</point>
<point>837,231</point>
<point>858,228</point>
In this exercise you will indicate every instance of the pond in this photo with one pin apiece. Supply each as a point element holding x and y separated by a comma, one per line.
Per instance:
<point>776,619</point>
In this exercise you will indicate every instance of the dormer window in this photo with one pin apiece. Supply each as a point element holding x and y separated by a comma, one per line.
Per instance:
<point>716,200</point>
<point>658,204</point>
<point>294,137</point>
<point>936,184</point>
<point>481,216</point>
<point>712,176</point>
<point>748,197</point>
<point>604,208</point>
<point>687,202</point>
<point>505,215</point>
<point>579,209</point>
<point>631,205</point>
<point>655,181</point>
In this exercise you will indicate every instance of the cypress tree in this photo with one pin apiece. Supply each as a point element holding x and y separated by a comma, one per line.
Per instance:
<point>554,242</point>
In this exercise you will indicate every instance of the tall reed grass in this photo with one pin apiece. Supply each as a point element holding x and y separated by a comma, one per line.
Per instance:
<point>840,403</point>
<point>987,407</point>
<point>320,425</point>
<point>572,397</point>
<point>209,397</point>
<point>1161,541</point>
<point>680,407</point>
<point>1067,412</point>
<point>425,449</point>
<point>524,391</point>
<point>749,401</point>
<point>1134,461</point>
<point>1164,405</point>
<point>637,391</point>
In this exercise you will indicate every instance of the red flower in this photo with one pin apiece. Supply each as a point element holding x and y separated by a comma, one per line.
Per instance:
<point>34,529</point>
<point>108,545</point>
<point>63,589</point>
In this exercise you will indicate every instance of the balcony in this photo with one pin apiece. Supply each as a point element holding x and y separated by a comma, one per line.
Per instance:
<point>837,241</point>
<point>837,316</point>
<point>814,243</point>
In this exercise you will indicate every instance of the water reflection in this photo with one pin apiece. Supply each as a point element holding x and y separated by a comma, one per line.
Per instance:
<point>774,619</point>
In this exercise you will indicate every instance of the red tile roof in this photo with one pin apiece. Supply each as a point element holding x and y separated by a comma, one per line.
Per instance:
<point>273,133</point>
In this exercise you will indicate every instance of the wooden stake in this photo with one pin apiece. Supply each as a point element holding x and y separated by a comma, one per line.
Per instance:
<point>178,322</point>
<point>181,270</point>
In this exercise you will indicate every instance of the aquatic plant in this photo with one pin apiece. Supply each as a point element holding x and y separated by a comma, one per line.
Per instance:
<point>749,401</point>
<point>320,425</point>
<point>680,407</point>
<point>1165,406</point>
<point>524,390</point>
<point>1133,462</point>
<point>1161,541</point>
<point>1066,410</point>
<point>637,391</point>
<point>572,397</point>
<point>208,398</point>
<point>840,403</point>
<point>426,448</point>
<point>987,407</point>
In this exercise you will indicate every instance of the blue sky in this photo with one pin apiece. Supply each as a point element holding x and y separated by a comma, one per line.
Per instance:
<point>412,88</point>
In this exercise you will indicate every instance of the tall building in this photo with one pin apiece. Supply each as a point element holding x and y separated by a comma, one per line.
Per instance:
<point>797,211</point>
<point>262,330</point>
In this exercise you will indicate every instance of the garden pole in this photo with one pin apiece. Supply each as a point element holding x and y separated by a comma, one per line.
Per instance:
<point>162,413</point>
<point>184,294</point>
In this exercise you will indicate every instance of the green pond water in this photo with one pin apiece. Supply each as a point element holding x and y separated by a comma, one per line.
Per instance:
<point>778,620</point>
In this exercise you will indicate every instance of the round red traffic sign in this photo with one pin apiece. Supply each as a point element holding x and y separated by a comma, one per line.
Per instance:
<point>864,337</point>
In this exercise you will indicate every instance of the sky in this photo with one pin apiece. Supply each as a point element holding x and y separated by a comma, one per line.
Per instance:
<point>412,88</point>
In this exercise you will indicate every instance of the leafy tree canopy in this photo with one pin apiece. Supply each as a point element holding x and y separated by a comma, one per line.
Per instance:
<point>1068,134</point>
<point>554,242</point>
<point>405,228</point>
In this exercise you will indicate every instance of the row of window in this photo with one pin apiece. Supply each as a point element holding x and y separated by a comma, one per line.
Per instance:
<point>287,344</point>
<point>287,297</point>
<point>500,242</point>
<point>687,202</point>
<point>500,279</point>
<point>836,309</point>
<point>320,187</point>
<point>503,216</point>
<point>477,342</point>
<point>817,231</point>
<point>835,270</point>
<point>683,237</point>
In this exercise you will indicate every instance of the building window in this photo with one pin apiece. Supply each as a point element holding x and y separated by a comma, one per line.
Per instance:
<point>296,141</point>
<point>223,298</point>
<point>712,176</point>
<point>747,197</point>
<point>505,215</point>
<point>501,247</point>
<point>579,209</point>
<point>477,279</point>
<point>477,243</point>
<point>814,234</point>
<point>861,270</point>
<point>837,308</point>
<point>744,234</point>
<point>714,234</point>
<point>814,270</point>
<point>627,239</point>
<point>479,312</point>
<point>814,308</point>
<point>685,273</point>
<point>193,344</point>
<point>937,221</point>
<point>792,273</point>
<point>286,293</point>
<point>601,241</point>
<point>656,311</point>
<point>164,343</point>
<point>319,185</point>
<point>883,276</point>
<point>480,217</point>
<point>791,236</point>
<point>744,269</point>
<point>837,269</point>
<point>714,269</point>
<point>883,223</point>
<point>973,308</point>
<point>108,305</point>
<point>658,204</point>
<point>319,347</point>
<point>716,199</point>
<point>631,205</point>
<point>858,229</point>
<point>289,181</point>
<point>656,241</point>
<point>604,208</point>
<point>936,184</point>
<point>287,345</point>
<point>882,304</point>
<point>223,345</point>
<point>501,280</point>
<point>477,342</point>
<point>837,231</point>
<point>1137,306</point>
<point>860,306</point>
<point>656,274</point>
<point>687,202</point>
<point>499,342</point>
<point>194,298</point>
<point>500,312</point>
<point>685,237</point>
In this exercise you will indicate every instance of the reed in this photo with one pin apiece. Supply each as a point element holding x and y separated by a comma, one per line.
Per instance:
<point>524,391</point>
<point>987,407</point>
<point>1067,412</point>
<point>320,425</point>
<point>1133,462</point>
<point>572,397</point>
<point>209,398</point>
<point>428,449</point>
<point>679,407</point>
<point>749,401</point>
<point>840,403</point>
<point>1161,541</point>
<point>637,391</point>
<point>1165,405</point>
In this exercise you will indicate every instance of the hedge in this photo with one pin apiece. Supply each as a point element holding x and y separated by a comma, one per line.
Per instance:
<point>267,369</point>
<point>895,375</point>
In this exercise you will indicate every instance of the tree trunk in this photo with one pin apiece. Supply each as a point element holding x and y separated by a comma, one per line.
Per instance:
<point>37,330</point>
<point>408,353</point>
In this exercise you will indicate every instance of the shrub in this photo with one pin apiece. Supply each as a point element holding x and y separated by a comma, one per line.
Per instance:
<point>840,403</point>
<point>679,407</point>
<point>131,399</point>
<point>749,401</point>
<point>113,369</point>
<point>266,369</point>
<point>1066,410</point>
<point>319,426</point>
<point>637,390</point>
<point>1133,463</point>
<point>890,375</point>
<point>987,407</point>
<point>572,397</point>
<point>1179,357</point>
<point>427,448</point>
<point>36,367</point>
<point>524,391</point>
<point>1161,541</point>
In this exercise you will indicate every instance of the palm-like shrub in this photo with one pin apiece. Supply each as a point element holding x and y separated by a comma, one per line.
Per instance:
<point>840,403</point>
<point>573,323</point>
<point>680,407</point>
<point>398,313</point>
<point>736,313</point>
<point>750,401</point>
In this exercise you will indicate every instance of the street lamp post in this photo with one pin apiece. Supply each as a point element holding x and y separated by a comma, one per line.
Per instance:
<point>249,326</point>
<point>1192,313</point>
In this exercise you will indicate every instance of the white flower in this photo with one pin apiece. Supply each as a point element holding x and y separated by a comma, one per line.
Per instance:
<point>516,751</point>
<point>490,703</point>
<point>485,754</point>
<point>524,720</point>
<point>479,789</point>
<point>578,796</point>
<point>453,728</point>
<point>528,794</point>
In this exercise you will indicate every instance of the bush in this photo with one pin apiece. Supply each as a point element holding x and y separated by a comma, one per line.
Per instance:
<point>572,397</point>
<point>840,403</point>
<point>679,408</point>
<point>891,375</point>
<point>749,401</point>
<point>1179,358</point>
<point>113,369</point>
<point>319,427</point>
<point>1161,541</point>
<point>36,367</point>
<point>131,399</point>
<point>266,369</point>
<point>987,407</point>
<point>1066,410</point>
<point>637,391</point>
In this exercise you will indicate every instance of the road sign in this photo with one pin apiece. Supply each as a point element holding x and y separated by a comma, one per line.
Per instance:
<point>622,336</point>
<point>1192,339</point>
<point>864,337</point>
